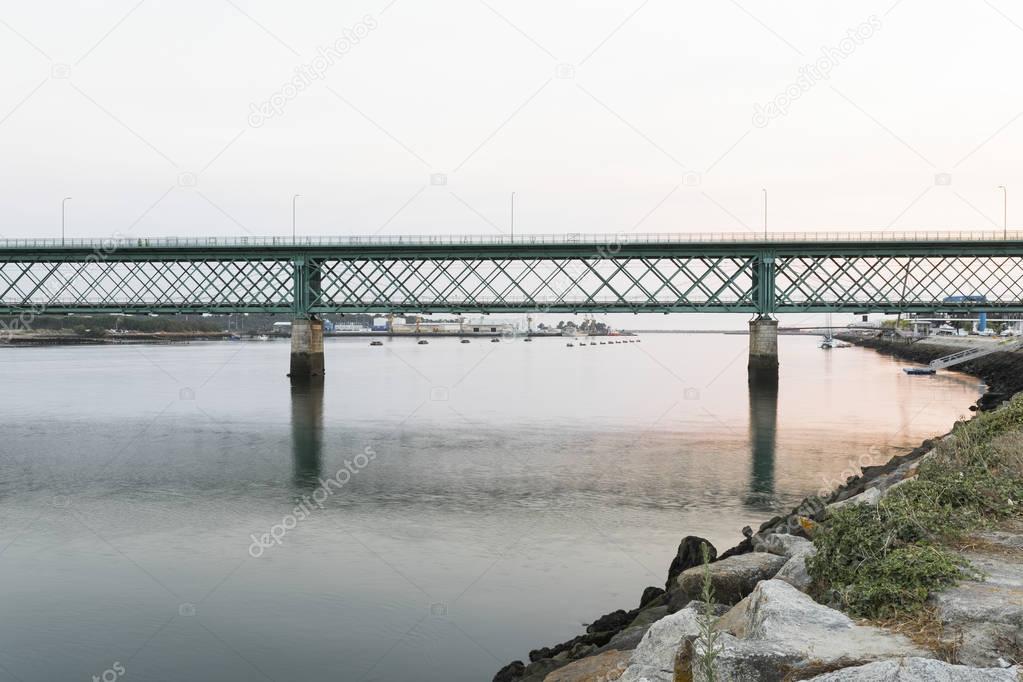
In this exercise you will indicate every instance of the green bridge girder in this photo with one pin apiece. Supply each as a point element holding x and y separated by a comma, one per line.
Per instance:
<point>830,272</point>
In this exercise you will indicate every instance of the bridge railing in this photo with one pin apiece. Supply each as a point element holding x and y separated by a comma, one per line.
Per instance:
<point>111,244</point>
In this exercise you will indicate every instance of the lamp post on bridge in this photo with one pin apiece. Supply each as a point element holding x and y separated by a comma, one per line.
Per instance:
<point>63,213</point>
<point>1005,212</point>
<point>513,216</point>
<point>765,213</point>
<point>293,200</point>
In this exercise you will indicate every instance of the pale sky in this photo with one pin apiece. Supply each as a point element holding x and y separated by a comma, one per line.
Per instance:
<point>601,116</point>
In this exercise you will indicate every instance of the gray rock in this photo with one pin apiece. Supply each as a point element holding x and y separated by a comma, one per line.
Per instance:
<point>740,660</point>
<point>734,620</point>
<point>689,554</point>
<point>986,617</point>
<point>647,617</point>
<point>784,616</point>
<point>654,658</point>
<point>870,496</point>
<point>918,670</point>
<point>782,544</point>
<point>794,571</point>
<point>630,637</point>
<point>1011,541</point>
<point>732,578</point>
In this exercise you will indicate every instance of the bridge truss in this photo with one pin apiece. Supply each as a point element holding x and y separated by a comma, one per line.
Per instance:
<point>646,273</point>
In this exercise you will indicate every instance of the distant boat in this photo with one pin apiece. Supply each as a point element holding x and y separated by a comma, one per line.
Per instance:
<point>918,370</point>
<point>495,340</point>
<point>234,337</point>
<point>569,344</point>
<point>376,343</point>
<point>422,342</point>
<point>262,337</point>
<point>593,343</point>
<point>464,341</point>
<point>528,340</point>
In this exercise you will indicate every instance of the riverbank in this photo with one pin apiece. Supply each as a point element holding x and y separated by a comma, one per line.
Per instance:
<point>763,624</point>
<point>73,339</point>
<point>1002,372</point>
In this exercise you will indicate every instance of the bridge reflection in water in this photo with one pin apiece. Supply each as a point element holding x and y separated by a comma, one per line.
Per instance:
<point>307,432</point>
<point>763,431</point>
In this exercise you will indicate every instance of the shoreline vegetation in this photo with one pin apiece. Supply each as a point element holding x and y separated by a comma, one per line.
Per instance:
<point>912,570</point>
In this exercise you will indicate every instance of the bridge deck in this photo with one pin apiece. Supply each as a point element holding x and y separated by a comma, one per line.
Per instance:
<point>693,272</point>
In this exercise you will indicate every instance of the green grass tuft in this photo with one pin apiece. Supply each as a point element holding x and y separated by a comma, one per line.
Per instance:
<point>883,561</point>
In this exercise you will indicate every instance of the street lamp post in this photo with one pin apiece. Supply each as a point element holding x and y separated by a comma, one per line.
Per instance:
<point>63,220</point>
<point>1005,211</point>
<point>513,216</point>
<point>293,200</point>
<point>765,212</point>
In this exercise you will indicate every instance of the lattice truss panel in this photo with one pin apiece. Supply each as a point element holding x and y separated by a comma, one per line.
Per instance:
<point>850,281</point>
<point>618,283</point>
<point>141,284</point>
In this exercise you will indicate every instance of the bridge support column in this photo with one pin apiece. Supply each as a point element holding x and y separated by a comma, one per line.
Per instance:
<point>763,350</point>
<point>306,349</point>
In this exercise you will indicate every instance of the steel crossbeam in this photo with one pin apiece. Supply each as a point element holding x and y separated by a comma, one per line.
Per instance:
<point>538,275</point>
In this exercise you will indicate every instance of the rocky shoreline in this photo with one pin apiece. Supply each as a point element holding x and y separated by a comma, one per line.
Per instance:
<point>769,628</point>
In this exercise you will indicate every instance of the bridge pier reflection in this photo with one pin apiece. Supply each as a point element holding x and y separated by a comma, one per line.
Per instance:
<point>763,429</point>
<point>307,431</point>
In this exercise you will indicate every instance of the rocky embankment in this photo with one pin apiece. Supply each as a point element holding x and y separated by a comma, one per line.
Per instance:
<point>765,620</point>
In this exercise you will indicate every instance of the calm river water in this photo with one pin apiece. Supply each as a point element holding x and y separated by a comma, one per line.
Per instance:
<point>496,497</point>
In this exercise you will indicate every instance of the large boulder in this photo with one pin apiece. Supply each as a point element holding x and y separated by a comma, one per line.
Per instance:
<point>985,619</point>
<point>654,658</point>
<point>785,633</point>
<point>689,554</point>
<point>780,613</point>
<point>918,670</point>
<point>732,578</point>
<point>602,667</point>
<point>737,660</point>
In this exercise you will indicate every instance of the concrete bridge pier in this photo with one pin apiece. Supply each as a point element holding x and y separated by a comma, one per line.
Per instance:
<point>306,349</point>
<point>763,350</point>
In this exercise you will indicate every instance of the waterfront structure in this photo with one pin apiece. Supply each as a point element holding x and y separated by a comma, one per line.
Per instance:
<point>662,273</point>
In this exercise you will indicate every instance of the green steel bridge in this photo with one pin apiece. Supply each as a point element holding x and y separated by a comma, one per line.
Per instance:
<point>633,273</point>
